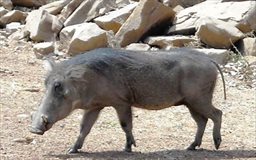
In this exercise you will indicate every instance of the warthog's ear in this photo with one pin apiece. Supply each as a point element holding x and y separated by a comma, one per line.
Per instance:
<point>48,64</point>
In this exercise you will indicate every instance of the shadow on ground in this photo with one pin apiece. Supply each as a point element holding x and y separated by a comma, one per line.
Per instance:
<point>166,154</point>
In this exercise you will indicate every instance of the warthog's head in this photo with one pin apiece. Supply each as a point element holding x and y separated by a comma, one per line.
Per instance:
<point>60,99</point>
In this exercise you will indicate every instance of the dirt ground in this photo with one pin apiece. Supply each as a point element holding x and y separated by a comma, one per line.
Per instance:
<point>160,134</point>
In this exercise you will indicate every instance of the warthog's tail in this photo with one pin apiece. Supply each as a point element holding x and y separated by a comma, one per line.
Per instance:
<point>222,77</point>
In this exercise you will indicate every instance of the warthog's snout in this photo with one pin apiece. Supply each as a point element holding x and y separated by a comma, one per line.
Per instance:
<point>40,124</point>
<point>36,131</point>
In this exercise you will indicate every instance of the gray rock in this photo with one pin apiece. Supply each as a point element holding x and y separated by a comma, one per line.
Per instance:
<point>43,49</point>
<point>26,140</point>
<point>13,27</point>
<point>87,37</point>
<point>3,11</point>
<point>217,33</point>
<point>185,21</point>
<point>165,42</point>
<point>247,46</point>
<point>88,10</point>
<point>42,26</point>
<point>138,47</point>
<point>183,3</point>
<point>221,56</point>
<point>55,7</point>
<point>69,9</point>
<point>115,19</point>
<point>7,4</point>
<point>23,116</point>
<point>13,16</point>
<point>21,33</point>
<point>29,3</point>
<point>147,14</point>
<point>66,35</point>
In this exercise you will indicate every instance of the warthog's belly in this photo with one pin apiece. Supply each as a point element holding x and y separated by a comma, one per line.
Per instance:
<point>153,106</point>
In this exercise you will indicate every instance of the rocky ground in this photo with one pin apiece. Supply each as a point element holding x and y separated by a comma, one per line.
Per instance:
<point>159,134</point>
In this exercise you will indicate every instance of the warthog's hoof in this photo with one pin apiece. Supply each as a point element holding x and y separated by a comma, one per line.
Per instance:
<point>72,151</point>
<point>129,150</point>
<point>191,148</point>
<point>217,142</point>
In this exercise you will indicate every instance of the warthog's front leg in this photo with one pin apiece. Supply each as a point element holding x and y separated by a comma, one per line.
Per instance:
<point>88,120</point>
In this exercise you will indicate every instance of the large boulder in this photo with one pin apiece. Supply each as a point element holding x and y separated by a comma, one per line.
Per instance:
<point>247,46</point>
<point>87,37</point>
<point>55,7</point>
<point>165,42</point>
<point>7,4</point>
<point>29,3</point>
<point>217,33</point>
<point>114,20</point>
<point>13,16</point>
<point>231,12</point>
<point>90,9</point>
<point>148,14</point>
<point>42,26</point>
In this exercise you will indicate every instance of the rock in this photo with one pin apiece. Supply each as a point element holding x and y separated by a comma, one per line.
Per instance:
<point>221,56</point>
<point>35,89</point>
<point>183,3</point>
<point>66,35</point>
<point>29,3</point>
<point>7,4</point>
<point>186,19</point>
<point>88,10</point>
<point>138,47</point>
<point>13,27</point>
<point>23,116</point>
<point>69,9</point>
<point>247,46</point>
<point>43,49</point>
<point>217,33</point>
<point>42,26</point>
<point>26,140</point>
<point>178,8</point>
<point>3,11</point>
<point>112,42</point>
<point>87,37</point>
<point>114,20</point>
<point>148,14</point>
<point>55,7</point>
<point>13,16</point>
<point>166,42</point>
<point>248,23</point>
<point>19,34</point>
<point>122,3</point>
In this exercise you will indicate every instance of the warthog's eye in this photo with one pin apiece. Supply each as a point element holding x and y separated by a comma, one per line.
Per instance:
<point>58,88</point>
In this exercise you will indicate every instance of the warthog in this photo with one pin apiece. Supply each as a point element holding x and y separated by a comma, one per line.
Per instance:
<point>122,79</point>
